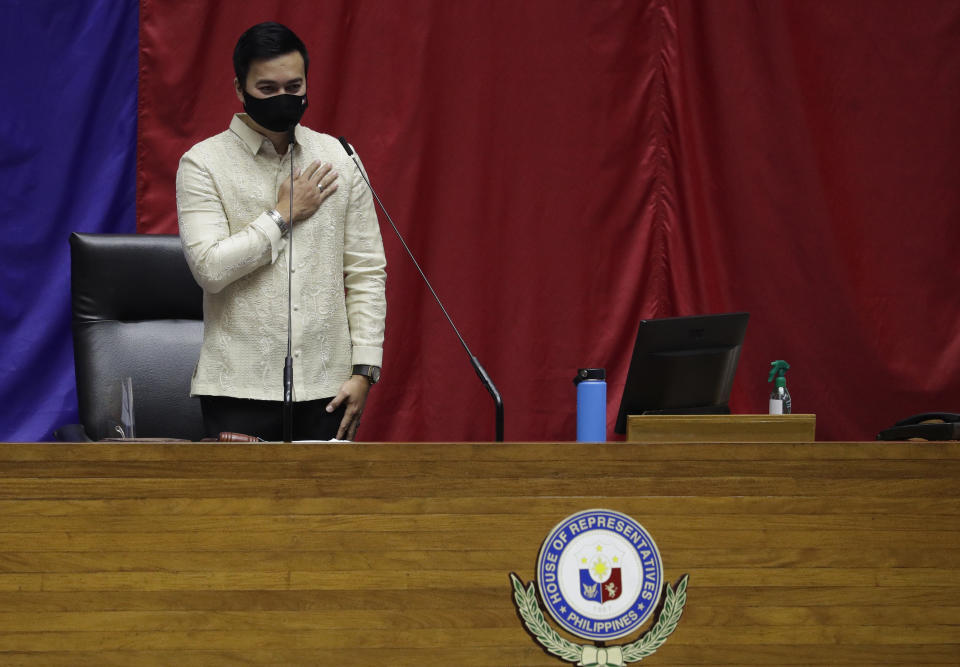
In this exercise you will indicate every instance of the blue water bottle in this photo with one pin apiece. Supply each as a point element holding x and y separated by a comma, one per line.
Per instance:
<point>591,386</point>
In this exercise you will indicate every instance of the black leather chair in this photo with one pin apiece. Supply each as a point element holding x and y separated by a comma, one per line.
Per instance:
<point>137,313</point>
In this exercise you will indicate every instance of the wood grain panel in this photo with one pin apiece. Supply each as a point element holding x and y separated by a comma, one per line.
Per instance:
<point>399,554</point>
<point>721,428</point>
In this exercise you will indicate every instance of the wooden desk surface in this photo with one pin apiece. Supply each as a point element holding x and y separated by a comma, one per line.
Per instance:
<point>400,554</point>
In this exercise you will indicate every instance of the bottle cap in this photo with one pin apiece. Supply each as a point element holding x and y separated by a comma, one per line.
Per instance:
<point>586,374</point>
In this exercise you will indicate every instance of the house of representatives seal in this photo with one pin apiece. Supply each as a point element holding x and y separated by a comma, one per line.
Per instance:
<point>600,576</point>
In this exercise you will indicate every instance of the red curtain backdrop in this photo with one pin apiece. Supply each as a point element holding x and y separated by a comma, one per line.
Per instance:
<point>563,169</point>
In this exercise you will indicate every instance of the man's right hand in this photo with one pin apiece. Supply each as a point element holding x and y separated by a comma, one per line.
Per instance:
<point>307,191</point>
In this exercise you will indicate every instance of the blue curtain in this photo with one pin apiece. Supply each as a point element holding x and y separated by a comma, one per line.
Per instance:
<point>68,123</point>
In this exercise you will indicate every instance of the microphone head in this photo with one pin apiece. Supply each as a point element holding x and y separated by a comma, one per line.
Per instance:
<point>346,146</point>
<point>291,133</point>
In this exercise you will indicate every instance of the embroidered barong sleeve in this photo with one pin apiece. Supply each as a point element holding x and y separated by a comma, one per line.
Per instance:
<point>215,256</point>
<point>364,273</point>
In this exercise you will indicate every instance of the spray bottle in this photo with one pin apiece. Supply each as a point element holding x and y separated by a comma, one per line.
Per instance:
<point>779,397</point>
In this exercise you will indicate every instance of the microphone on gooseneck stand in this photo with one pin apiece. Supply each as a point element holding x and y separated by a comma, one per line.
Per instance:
<point>481,372</point>
<point>288,362</point>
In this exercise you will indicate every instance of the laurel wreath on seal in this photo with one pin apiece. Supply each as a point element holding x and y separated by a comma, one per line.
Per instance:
<point>587,654</point>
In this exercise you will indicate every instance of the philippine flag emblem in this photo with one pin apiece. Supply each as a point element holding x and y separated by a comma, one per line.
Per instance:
<point>600,572</point>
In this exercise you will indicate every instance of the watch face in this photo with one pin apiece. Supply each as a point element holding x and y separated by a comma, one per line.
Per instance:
<point>374,374</point>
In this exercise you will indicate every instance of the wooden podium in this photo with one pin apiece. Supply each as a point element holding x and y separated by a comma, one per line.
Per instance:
<point>400,554</point>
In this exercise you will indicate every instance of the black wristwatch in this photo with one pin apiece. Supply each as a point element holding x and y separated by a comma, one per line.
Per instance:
<point>372,373</point>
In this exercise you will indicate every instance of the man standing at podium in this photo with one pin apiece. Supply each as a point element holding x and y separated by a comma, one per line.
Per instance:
<point>235,216</point>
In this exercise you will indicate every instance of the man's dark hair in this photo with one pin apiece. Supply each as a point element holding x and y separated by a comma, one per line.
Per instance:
<point>262,42</point>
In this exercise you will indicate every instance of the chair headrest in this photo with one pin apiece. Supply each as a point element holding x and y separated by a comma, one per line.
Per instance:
<point>132,277</point>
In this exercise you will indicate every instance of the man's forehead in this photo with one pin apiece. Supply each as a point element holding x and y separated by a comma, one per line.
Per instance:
<point>285,67</point>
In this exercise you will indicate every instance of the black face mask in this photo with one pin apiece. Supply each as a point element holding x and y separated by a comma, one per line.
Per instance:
<point>278,113</point>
